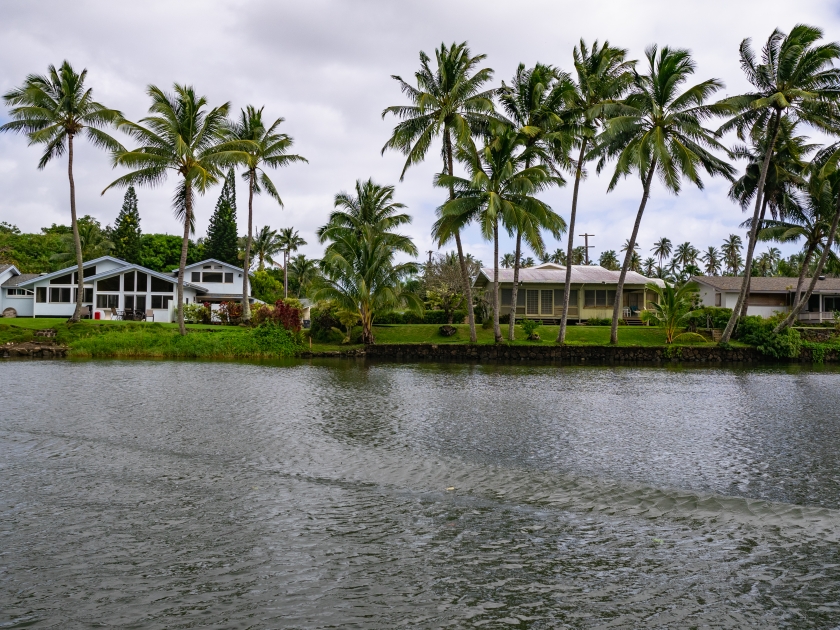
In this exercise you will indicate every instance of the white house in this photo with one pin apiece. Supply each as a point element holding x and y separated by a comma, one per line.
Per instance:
<point>112,286</point>
<point>771,295</point>
<point>592,294</point>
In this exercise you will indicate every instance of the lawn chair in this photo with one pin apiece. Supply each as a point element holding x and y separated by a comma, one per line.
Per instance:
<point>149,313</point>
<point>115,314</point>
<point>85,312</point>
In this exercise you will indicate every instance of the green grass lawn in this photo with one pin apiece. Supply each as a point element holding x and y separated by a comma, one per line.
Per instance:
<point>102,338</point>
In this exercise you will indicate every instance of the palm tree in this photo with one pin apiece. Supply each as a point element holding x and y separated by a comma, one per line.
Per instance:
<point>448,101</point>
<point>558,257</point>
<point>526,263</point>
<point>531,103</point>
<point>265,147</point>
<point>795,78</point>
<point>649,266</point>
<point>360,275</point>
<point>603,76</point>
<point>662,250</point>
<point>180,136</point>
<point>500,190</point>
<point>265,245</point>
<point>659,130</point>
<point>673,308</point>
<point>507,261</point>
<point>686,254</point>
<point>52,110</point>
<point>304,271</point>
<point>731,249</point>
<point>635,258</point>
<point>289,241</point>
<point>372,206</point>
<point>609,260</point>
<point>712,260</point>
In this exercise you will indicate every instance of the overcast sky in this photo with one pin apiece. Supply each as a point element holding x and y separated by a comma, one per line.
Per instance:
<point>325,67</point>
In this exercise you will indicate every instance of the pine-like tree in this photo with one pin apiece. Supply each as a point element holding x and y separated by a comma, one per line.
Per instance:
<point>222,241</point>
<point>126,233</point>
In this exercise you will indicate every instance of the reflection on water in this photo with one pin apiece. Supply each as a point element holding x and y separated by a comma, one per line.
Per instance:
<point>313,495</point>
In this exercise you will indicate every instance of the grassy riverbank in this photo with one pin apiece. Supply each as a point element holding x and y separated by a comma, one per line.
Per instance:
<point>109,339</point>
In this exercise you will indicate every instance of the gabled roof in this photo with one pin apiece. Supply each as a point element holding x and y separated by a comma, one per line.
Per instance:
<point>85,265</point>
<point>19,279</point>
<point>7,267</point>
<point>211,260</point>
<point>157,274</point>
<point>760,284</point>
<point>551,273</point>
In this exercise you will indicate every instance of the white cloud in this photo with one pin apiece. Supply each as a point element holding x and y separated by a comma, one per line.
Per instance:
<point>325,67</point>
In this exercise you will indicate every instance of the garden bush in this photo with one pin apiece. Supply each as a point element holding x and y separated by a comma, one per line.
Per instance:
<point>757,331</point>
<point>197,313</point>
<point>284,313</point>
<point>709,317</point>
<point>325,322</point>
<point>529,326</point>
<point>230,313</point>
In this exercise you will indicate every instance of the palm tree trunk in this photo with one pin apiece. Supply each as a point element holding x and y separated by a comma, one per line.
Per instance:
<point>759,198</point>
<point>285,274</point>
<point>515,289</point>
<point>246,262</point>
<point>183,262</point>
<point>794,313</point>
<point>77,243</point>
<point>561,336</point>
<point>746,306</point>
<point>465,276</point>
<point>497,330</point>
<point>367,329</point>
<point>807,261</point>
<point>619,289</point>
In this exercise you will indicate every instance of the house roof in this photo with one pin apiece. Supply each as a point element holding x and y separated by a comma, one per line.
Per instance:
<point>225,296</point>
<point>66,270</point>
<point>4,267</point>
<point>732,284</point>
<point>550,273</point>
<point>211,260</point>
<point>157,274</point>
<point>20,278</point>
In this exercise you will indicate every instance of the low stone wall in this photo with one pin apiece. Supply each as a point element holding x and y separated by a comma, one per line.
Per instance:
<point>32,350</point>
<point>551,353</point>
<point>819,335</point>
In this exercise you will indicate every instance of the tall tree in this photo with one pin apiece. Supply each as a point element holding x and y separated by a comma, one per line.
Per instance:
<point>532,103</point>
<point>51,110</point>
<point>182,136</point>
<point>222,241</point>
<point>662,250</point>
<point>603,75</point>
<point>303,272</point>
<point>266,147</point>
<point>731,250</point>
<point>711,258</point>
<point>265,245</point>
<point>449,102</point>
<point>126,233</point>
<point>498,192</point>
<point>795,78</point>
<point>289,240</point>
<point>660,131</point>
<point>609,260</point>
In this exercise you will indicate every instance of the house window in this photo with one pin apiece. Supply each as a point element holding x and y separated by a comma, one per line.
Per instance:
<point>108,284</point>
<point>161,286</point>
<point>161,301</point>
<point>229,278</point>
<point>507,296</point>
<point>68,279</point>
<point>90,271</point>
<point>60,295</point>
<point>18,292</point>
<point>532,302</point>
<point>717,299</point>
<point>107,301</point>
<point>128,282</point>
<point>599,298</point>
<point>142,282</point>
<point>558,298</point>
<point>547,302</point>
<point>831,303</point>
<point>212,276</point>
<point>87,296</point>
<point>40,294</point>
<point>195,276</point>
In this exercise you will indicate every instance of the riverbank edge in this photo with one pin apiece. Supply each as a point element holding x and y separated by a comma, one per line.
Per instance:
<point>565,354</point>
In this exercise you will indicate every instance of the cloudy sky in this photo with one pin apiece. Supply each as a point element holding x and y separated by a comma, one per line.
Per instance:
<point>325,66</point>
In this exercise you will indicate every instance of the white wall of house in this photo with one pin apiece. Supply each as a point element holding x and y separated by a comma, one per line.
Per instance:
<point>216,277</point>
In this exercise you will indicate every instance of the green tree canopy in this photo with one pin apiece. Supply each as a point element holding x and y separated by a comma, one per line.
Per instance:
<point>222,242</point>
<point>126,233</point>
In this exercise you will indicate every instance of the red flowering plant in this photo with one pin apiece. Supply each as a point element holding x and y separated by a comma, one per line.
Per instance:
<point>284,314</point>
<point>230,312</point>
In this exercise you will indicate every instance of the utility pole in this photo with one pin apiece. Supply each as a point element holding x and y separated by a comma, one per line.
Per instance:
<point>430,252</point>
<point>586,246</point>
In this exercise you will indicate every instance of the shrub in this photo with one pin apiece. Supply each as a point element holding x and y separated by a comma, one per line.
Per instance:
<point>529,326</point>
<point>230,312</point>
<point>603,321</point>
<point>197,313</point>
<point>272,338</point>
<point>324,322</point>
<point>284,313</point>
<point>757,331</point>
<point>708,317</point>
<point>428,317</point>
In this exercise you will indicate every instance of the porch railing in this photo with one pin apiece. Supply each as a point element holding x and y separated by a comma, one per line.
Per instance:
<point>817,316</point>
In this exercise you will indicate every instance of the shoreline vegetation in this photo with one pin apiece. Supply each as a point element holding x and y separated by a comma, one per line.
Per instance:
<point>103,339</point>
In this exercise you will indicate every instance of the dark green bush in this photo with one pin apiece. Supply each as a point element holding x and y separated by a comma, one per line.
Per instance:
<point>324,319</point>
<point>603,321</point>
<point>428,317</point>
<point>757,331</point>
<point>714,315</point>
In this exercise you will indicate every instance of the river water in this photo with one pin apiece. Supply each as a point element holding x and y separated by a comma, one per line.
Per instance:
<point>363,495</point>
